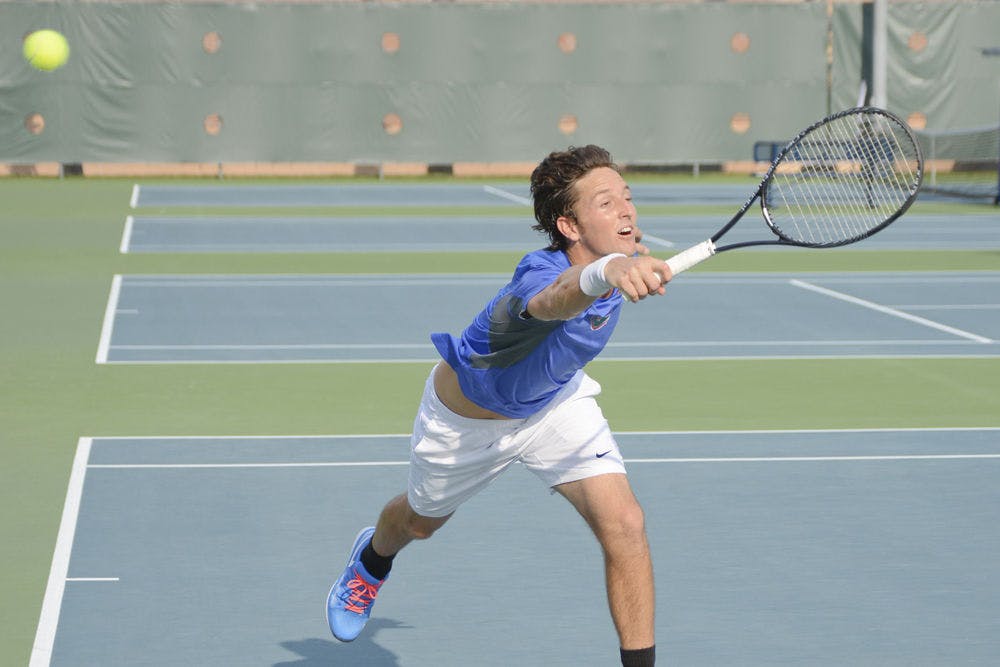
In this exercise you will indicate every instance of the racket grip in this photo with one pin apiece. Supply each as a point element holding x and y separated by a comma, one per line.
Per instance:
<point>683,261</point>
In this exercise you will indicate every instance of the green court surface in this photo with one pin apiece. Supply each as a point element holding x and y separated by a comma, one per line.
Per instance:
<point>59,249</point>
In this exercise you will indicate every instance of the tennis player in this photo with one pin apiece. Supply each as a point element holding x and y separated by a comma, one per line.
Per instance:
<point>511,388</point>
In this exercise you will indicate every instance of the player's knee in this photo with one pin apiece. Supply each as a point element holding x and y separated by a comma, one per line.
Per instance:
<point>632,523</point>
<point>422,527</point>
<point>626,532</point>
<point>419,531</point>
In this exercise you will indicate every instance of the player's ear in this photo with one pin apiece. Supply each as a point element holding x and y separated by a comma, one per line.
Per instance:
<point>567,227</point>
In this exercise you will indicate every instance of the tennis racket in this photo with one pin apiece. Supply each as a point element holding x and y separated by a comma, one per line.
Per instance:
<point>839,181</point>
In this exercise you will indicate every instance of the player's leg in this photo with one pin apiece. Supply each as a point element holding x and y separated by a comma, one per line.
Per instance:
<point>571,448</point>
<point>451,459</point>
<point>611,510</point>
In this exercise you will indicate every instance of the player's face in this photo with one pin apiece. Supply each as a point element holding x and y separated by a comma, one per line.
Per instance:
<point>604,217</point>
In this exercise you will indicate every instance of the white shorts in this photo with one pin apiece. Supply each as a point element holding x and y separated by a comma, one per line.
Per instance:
<point>453,457</point>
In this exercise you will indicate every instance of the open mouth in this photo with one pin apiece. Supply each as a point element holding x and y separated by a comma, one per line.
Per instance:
<point>625,231</point>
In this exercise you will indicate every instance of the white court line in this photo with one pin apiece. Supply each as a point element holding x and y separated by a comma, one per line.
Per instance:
<point>437,279</point>
<point>509,196</point>
<point>287,436</point>
<point>134,199</point>
<point>775,357</point>
<point>693,459</point>
<point>407,280</point>
<point>684,432</point>
<point>810,459</point>
<point>197,466</point>
<point>342,220</point>
<point>806,431</point>
<point>126,235</point>
<point>104,344</point>
<point>784,343</point>
<point>889,311</point>
<point>41,651</point>
<point>606,360</point>
<point>622,345</point>
<point>967,306</point>
<point>281,346</point>
<point>912,277</point>
<point>658,241</point>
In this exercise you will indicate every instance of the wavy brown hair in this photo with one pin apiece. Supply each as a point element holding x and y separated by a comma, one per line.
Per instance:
<point>552,188</point>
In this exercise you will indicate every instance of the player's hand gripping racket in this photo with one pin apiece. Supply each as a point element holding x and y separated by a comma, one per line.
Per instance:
<point>839,181</point>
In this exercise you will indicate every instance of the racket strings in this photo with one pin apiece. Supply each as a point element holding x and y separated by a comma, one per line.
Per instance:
<point>822,155</point>
<point>837,204</point>
<point>842,180</point>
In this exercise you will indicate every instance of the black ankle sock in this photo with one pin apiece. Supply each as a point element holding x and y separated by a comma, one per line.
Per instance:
<point>377,566</point>
<point>640,657</point>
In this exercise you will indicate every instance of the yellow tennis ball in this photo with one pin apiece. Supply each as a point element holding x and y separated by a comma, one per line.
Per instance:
<point>46,49</point>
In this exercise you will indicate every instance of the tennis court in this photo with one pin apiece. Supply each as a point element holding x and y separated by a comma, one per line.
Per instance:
<point>256,319</point>
<point>792,547</point>
<point>192,538</point>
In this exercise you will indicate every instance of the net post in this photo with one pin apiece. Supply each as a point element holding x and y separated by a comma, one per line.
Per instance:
<point>933,158</point>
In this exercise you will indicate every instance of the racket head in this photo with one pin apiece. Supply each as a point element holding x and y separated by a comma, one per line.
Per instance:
<point>842,179</point>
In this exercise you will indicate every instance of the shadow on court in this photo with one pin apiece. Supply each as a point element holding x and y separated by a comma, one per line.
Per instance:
<point>362,651</point>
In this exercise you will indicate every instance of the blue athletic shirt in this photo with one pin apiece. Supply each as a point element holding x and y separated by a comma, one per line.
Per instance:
<point>513,364</point>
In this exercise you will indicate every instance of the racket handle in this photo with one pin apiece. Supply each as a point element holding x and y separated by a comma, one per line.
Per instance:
<point>683,261</point>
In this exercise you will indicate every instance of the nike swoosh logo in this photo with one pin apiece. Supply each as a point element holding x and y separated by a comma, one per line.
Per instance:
<point>603,453</point>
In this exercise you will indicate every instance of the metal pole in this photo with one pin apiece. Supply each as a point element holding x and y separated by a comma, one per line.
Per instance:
<point>987,52</point>
<point>880,51</point>
<point>829,57</point>
<point>996,199</point>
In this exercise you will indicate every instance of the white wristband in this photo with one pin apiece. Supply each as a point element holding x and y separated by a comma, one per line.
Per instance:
<point>592,281</point>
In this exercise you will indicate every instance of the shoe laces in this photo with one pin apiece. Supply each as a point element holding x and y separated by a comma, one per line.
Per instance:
<point>362,594</point>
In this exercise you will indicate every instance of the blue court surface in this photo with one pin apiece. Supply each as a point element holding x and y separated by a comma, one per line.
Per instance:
<point>410,195</point>
<point>858,547</point>
<point>256,234</point>
<point>375,194</point>
<point>406,195</point>
<point>315,318</point>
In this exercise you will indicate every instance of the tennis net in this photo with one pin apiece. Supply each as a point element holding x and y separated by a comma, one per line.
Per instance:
<point>962,162</point>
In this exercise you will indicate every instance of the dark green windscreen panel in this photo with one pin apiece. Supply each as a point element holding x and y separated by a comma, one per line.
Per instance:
<point>363,82</point>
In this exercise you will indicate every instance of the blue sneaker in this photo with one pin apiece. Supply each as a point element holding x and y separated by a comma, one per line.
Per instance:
<point>349,604</point>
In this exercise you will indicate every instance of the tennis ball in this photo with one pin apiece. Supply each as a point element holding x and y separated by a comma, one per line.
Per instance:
<point>46,50</point>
